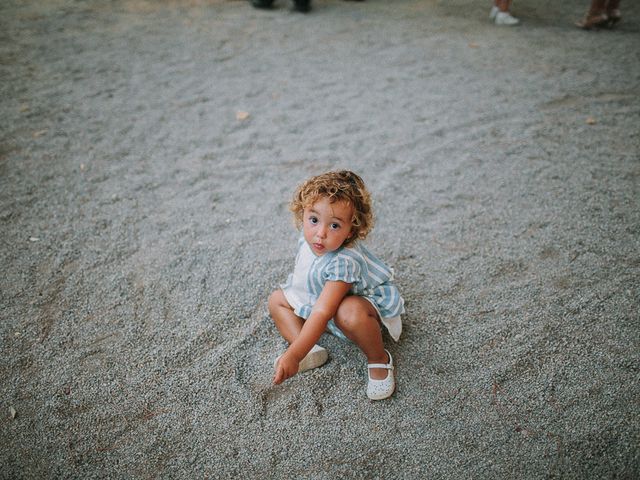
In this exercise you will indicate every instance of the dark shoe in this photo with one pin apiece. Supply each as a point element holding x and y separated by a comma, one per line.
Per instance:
<point>262,3</point>
<point>593,21</point>
<point>302,5</point>
<point>613,17</point>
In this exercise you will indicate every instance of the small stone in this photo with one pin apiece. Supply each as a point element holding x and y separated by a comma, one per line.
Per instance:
<point>242,115</point>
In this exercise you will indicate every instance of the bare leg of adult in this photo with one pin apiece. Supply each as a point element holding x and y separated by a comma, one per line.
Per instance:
<point>597,7</point>
<point>358,319</point>
<point>595,17</point>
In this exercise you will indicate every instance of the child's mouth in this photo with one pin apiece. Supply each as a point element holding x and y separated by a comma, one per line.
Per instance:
<point>318,246</point>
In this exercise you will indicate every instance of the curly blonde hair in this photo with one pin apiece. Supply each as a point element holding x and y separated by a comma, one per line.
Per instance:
<point>338,186</point>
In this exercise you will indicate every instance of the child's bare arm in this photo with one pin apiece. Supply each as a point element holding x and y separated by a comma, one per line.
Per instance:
<point>324,309</point>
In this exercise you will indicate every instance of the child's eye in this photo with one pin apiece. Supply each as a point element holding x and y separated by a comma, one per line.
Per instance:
<point>335,226</point>
<point>313,220</point>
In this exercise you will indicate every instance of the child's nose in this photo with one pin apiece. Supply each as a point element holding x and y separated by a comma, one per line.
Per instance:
<point>322,231</point>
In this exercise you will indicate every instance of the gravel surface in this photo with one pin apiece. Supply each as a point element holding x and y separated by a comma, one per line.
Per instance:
<point>148,150</point>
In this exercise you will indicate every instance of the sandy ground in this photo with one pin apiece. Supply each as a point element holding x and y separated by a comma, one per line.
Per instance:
<point>144,223</point>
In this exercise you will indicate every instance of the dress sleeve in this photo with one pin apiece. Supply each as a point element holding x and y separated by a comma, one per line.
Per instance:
<point>344,269</point>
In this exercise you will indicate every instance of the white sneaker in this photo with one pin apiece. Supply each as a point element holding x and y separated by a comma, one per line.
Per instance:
<point>505,18</point>
<point>317,357</point>
<point>493,12</point>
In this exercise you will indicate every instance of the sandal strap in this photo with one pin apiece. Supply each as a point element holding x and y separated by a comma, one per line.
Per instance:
<point>388,366</point>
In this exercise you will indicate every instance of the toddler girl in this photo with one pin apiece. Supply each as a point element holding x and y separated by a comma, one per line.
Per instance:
<point>337,283</point>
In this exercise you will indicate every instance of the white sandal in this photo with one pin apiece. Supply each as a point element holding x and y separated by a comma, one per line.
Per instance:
<point>381,389</point>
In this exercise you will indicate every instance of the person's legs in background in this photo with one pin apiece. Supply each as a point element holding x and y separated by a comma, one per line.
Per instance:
<point>501,13</point>
<point>595,16</point>
<point>613,12</point>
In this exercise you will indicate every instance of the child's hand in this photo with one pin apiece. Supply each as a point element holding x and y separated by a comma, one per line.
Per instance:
<point>286,367</point>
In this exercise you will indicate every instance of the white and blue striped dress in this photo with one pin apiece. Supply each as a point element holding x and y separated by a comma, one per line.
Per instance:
<point>368,275</point>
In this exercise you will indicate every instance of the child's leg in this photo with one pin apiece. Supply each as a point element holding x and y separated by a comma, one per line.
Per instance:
<point>289,325</point>
<point>359,321</point>
<point>287,322</point>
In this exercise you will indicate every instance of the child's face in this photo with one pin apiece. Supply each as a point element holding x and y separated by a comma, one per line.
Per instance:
<point>327,225</point>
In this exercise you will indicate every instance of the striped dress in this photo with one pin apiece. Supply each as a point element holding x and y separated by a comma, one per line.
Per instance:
<point>368,275</point>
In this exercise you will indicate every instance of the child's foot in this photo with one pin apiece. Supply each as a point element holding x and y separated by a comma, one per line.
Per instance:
<point>317,357</point>
<point>379,389</point>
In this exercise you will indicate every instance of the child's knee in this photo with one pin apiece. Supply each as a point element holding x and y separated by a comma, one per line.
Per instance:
<point>354,313</point>
<point>275,300</point>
